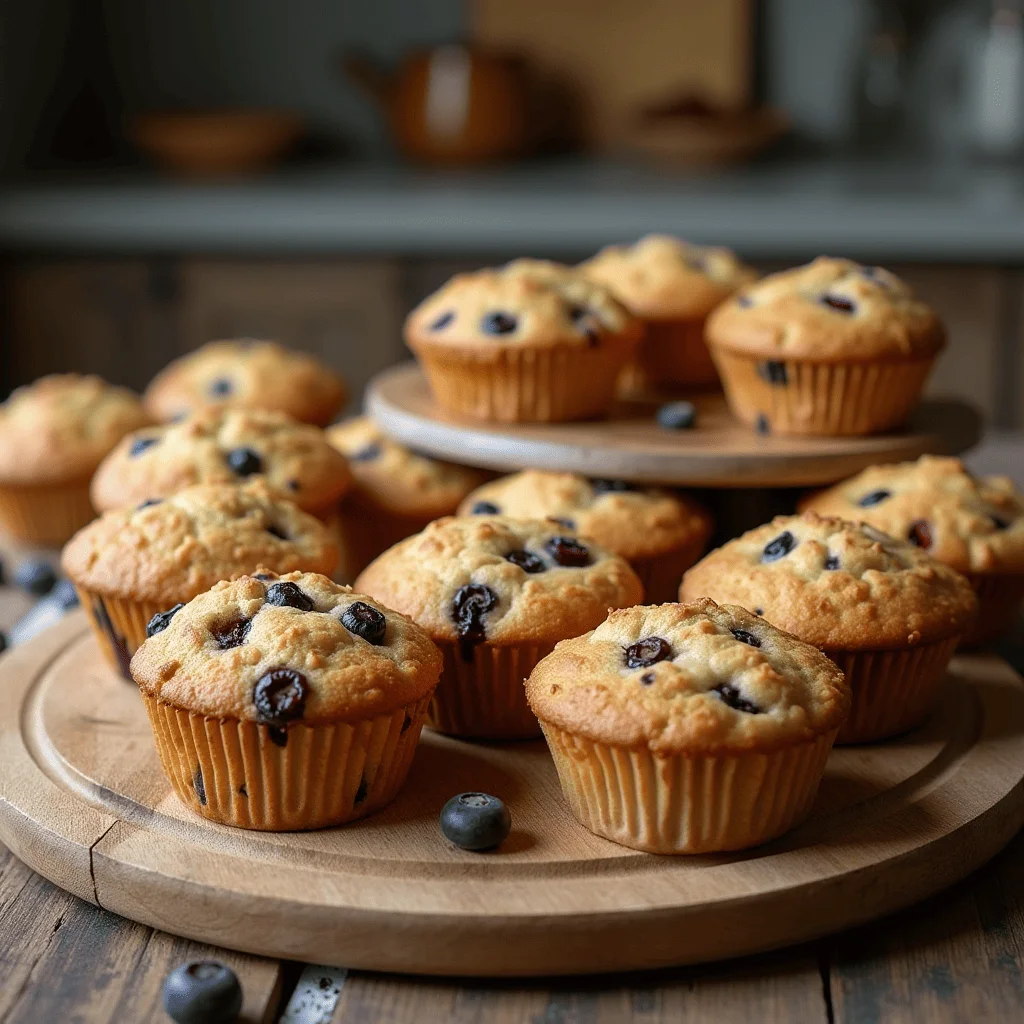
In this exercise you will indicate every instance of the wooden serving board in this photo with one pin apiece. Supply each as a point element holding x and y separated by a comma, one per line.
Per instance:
<point>629,445</point>
<point>83,801</point>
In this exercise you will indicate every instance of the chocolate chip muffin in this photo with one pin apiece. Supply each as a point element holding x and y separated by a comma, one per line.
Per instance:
<point>247,374</point>
<point>285,703</point>
<point>688,728</point>
<point>496,595</point>
<point>524,343</point>
<point>133,563</point>
<point>832,348</point>
<point>673,286</point>
<point>53,435</point>
<point>659,533</point>
<point>973,525</point>
<point>886,613</point>
<point>224,446</point>
<point>396,492</point>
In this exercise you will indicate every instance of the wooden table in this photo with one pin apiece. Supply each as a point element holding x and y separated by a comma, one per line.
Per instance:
<point>957,957</point>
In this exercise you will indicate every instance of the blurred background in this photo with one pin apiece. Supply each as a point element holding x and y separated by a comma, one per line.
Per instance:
<point>173,173</point>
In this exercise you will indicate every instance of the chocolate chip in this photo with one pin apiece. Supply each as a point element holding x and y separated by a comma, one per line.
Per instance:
<point>244,461</point>
<point>648,651</point>
<point>831,562</point>
<point>162,620</point>
<point>920,533</point>
<point>499,323</point>
<point>199,785</point>
<point>485,508</point>
<point>526,560</point>
<point>839,303</point>
<point>773,371</point>
<point>221,387</point>
<point>280,696</point>
<point>778,548</point>
<point>746,637</point>
<point>761,425</point>
<point>365,621</point>
<point>288,595</point>
<point>276,531</point>
<point>231,634</point>
<point>647,679</point>
<point>469,606</point>
<point>873,498</point>
<point>602,486</point>
<point>730,695</point>
<point>443,321</point>
<point>367,454</point>
<point>568,551</point>
<point>141,444</point>
<point>677,416</point>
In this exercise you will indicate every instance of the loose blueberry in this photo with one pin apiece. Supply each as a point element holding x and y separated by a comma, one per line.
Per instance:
<point>485,508</point>
<point>443,321</point>
<point>526,560</point>
<point>36,576</point>
<point>762,425</point>
<point>280,696</point>
<point>65,596</point>
<point>778,548</point>
<point>368,454</point>
<point>469,606</point>
<point>568,551</point>
<point>141,444</point>
<point>647,652</point>
<point>202,992</point>
<point>498,323</point>
<point>612,486</point>
<point>162,620</point>
<point>920,533</point>
<point>839,303</point>
<point>231,634</point>
<point>677,416</point>
<point>365,621</point>
<point>221,387</point>
<point>873,498</point>
<point>475,821</point>
<point>288,595</point>
<point>244,461</point>
<point>729,694</point>
<point>831,562</point>
<point>773,372</point>
<point>746,637</point>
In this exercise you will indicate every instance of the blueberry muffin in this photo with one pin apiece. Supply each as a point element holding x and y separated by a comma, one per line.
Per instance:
<point>496,595</point>
<point>831,349</point>
<point>660,534</point>
<point>133,563</point>
<point>53,435</point>
<point>396,492</point>
<point>224,446</point>
<point>673,286</point>
<point>688,728</point>
<point>284,703</point>
<point>888,615</point>
<point>247,375</point>
<point>975,526</point>
<point>524,343</point>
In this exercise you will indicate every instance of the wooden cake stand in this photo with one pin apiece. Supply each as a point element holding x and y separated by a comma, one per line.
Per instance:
<point>83,802</point>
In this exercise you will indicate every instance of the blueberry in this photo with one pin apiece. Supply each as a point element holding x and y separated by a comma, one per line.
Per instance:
<point>162,620</point>
<point>141,444</point>
<point>221,387</point>
<point>365,621</point>
<point>498,323</point>
<point>677,416</point>
<point>279,696</point>
<point>526,560</point>
<point>485,508</point>
<point>65,596</point>
<point>469,606</point>
<point>873,498</point>
<point>647,679</point>
<point>778,548</point>
<point>583,320</point>
<point>762,425</point>
<point>367,454</point>
<point>36,576</point>
<point>231,634</point>
<point>443,321</point>
<point>276,531</point>
<point>746,637</point>
<point>602,486</point>
<point>839,303</point>
<point>1000,523</point>
<point>773,371</point>
<point>475,821</point>
<point>244,461</point>
<point>831,562</point>
<point>569,524</point>
<point>148,503</point>
<point>648,651</point>
<point>202,992</point>
<point>729,694</point>
<point>920,533</point>
<point>744,301</point>
<point>288,595</point>
<point>568,551</point>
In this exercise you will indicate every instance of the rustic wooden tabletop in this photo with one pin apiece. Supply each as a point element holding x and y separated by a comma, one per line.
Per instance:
<point>958,957</point>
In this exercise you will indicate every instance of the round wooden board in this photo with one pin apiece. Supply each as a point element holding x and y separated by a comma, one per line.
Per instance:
<point>82,801</point>
<point>718,452</point>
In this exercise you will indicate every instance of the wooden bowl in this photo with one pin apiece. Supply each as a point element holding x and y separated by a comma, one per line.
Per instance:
<point>220,142</point>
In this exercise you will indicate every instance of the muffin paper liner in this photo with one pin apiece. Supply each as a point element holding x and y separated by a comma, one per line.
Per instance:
<point>525,385</point>
<point>892,691</point>
<point>662,574</point>
<point>824,399</point>
<point>674,352</point>
<point>679,804</point>
<point>119,625</point>
<point>253,776</point>
<point>47,516</point>
<point>999,598</point>
<point>486,698</point>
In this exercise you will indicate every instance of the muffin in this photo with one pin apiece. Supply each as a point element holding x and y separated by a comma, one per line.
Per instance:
<point>224,446</point>
<point>285,703</point>
<point>660,534</point>
<point>133,563</point>
<point>247,375</point>
<point>496,595</point>
<point>396,492</point>
<point>975,526</point>
<point>522,344</point>
<point>832,349</point>
<point>688,728</point>
<point>673,286</point>
<point>53,435</point>
<point>888,615</point>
